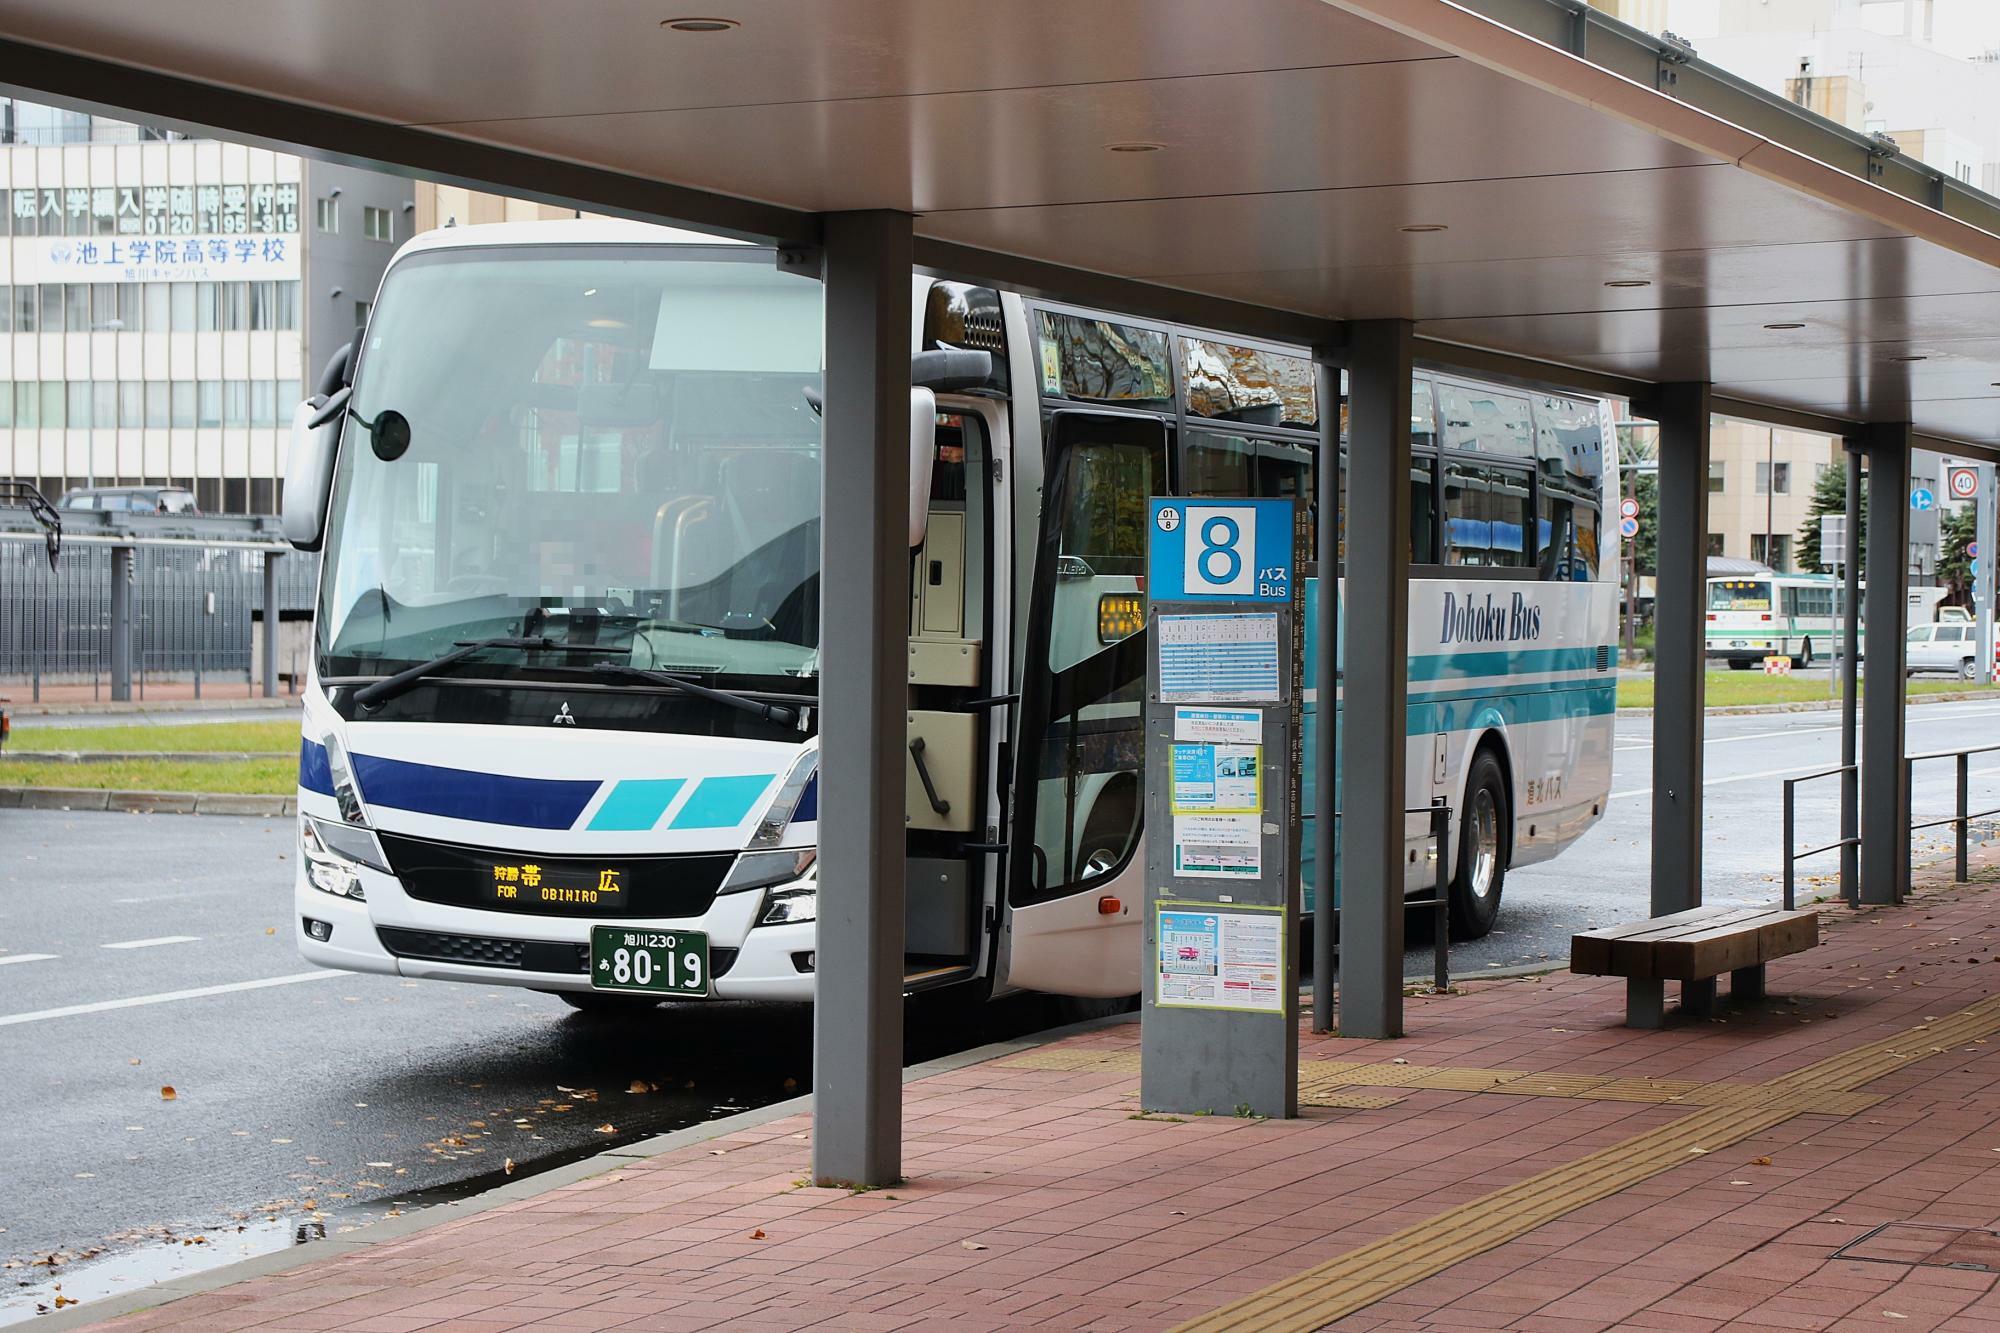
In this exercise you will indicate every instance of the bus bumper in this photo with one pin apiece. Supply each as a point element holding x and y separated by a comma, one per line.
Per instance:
<point>384,933</point>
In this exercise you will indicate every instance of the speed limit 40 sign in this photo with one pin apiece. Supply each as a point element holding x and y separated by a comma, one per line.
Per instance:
<point>1962,483</point>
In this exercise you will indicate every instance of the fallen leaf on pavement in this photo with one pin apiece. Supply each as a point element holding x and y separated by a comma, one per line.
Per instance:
<point>970,1245</point>
<point>758,1234</point>
<point>1760,1161</point>
<point>607,1128</point>
<point>508,1166</point>
<point>639,1085</point>
<point>167,1092</point>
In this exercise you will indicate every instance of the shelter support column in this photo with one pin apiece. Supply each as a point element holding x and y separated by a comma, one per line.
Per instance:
<point>1325,668</point>
<point>1680,608</point>
<point>1885,811</point>
<point>864,633</point>
<point>1375,691</point>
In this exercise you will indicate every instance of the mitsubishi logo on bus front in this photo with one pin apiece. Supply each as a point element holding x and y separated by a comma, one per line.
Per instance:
<point>562,717</point>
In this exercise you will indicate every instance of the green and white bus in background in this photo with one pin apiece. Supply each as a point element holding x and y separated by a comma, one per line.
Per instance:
<point>560,726</point>
<point>1755,616</point>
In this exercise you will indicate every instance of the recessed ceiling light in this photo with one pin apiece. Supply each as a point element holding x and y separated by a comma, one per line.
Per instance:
<point>700,25</point>
<point>1911,357</point>
<point>1135,146</point>
<point>590,291</point>
<point>605,323</point>
<point>1785,324</point>
<point>1629,282</point>
<point>1423,227</point>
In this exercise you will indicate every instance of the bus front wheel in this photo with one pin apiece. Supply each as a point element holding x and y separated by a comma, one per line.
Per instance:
<point>1482,850</point>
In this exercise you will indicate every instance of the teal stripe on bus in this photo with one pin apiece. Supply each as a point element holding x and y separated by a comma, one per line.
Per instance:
<point>1521,662</point>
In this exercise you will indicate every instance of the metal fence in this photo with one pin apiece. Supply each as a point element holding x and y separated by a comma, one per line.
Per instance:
<point>192,608</point>
<point>1960,820</point>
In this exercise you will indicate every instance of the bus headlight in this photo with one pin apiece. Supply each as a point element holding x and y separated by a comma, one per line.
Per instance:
<point>334,856</point>
<point>790,906</point>
<point>760,870</point>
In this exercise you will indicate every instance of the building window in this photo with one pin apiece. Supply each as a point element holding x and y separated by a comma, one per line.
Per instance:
<point>235,299</point>
<point>158,414</point>
<point>1715,543</point>
<point>209,403</point>
<point>131,404</point>
<point>236,408</point>
<point>24,309</point>
<point>27,404</point>
<point>52,403</point>
<point>326,215</point>
<point>207,310</point>
<point>79,404</point>
<point>1716,473</point>
<point>263,403</point>
<point>183,307</point>
<point>235,495</point>
<point>78,303</point>
<point>104,404</point>
<point>1781,550</point>
<point>183,402</point>
<point>1774,479</point>
<point>377,224</point>
<point>288,305</point>
<point>129,311</point>
<point>263,499</point>
<point>263,306</point>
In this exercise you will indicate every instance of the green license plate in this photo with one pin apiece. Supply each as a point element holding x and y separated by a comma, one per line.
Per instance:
<point>654,962</point>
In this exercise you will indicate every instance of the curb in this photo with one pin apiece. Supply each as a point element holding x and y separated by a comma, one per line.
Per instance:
<point>146,802</point>
<point>1822,706</point>
<point>24,709</point>
<point>544,1182</point>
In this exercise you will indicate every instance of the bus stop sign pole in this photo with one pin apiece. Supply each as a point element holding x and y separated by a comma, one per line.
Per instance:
<point>1220,995</point>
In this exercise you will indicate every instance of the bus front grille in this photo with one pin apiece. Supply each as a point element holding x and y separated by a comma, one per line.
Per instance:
<point>657,887</point>
<point>486,951</point>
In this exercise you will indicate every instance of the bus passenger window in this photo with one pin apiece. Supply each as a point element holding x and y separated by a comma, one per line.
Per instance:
<point>1423,511</point>
<point>1486,515</point>
<point>1583,569</point>
<point>1552,534</point>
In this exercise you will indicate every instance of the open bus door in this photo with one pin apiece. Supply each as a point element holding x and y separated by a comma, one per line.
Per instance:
<point>1073,879</point>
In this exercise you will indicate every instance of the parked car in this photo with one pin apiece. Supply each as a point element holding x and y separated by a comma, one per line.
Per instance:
<point>1952,648</point>
<point>6,723</point>
<point>131,500</point>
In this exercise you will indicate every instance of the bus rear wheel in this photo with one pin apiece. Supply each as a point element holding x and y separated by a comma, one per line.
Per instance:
<point>1482,850</point>
<point>1804,661</point>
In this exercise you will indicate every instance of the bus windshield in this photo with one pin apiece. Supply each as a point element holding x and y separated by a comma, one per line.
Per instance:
<point>1739,595</point>
<point>597,435</point>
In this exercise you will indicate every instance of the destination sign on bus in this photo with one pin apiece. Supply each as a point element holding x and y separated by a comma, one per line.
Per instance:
<point>531,884</point>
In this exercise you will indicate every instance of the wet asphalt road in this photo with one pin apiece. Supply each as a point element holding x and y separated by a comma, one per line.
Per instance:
<point>299,1092</point>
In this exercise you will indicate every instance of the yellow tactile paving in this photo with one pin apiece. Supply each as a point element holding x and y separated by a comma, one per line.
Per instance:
<point>1361,1277</point>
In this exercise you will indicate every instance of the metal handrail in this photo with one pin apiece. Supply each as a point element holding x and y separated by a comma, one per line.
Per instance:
<point>1439,902</point>
<point>1849,775</point>
<point>1963,818</point>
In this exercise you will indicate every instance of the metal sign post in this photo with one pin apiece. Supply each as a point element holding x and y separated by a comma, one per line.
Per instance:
<point>1220,997</point>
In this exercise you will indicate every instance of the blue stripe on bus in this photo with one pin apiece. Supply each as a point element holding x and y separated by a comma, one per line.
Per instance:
<point>1518,662</point>
<point>315,774</point>
<point>487,798</point>
<point>635,805</point>
<point>721,802</point>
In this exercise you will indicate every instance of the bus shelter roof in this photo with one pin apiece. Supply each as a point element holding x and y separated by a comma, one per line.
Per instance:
<point>1522,178</point>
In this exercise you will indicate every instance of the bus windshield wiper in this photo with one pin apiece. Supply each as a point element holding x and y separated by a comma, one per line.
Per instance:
<point>403,681</point>
<point>781,713</point>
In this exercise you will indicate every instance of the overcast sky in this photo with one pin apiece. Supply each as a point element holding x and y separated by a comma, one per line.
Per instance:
<point>1963,27</point>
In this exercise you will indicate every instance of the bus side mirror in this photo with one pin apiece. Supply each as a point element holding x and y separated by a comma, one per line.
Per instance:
<point>309,471</point>
<point>923,453</point>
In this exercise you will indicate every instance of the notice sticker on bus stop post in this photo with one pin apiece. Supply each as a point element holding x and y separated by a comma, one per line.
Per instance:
<point>1218,847</point>
<point>1220,960</point>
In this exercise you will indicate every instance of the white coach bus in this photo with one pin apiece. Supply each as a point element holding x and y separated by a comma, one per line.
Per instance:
<point>559,728</point>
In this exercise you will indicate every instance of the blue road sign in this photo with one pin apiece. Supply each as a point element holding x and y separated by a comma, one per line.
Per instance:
<point>1921,499</point>
<point>1628,527</point>
<point>1229,550</point>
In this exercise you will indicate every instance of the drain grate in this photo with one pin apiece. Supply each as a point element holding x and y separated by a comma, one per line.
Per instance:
<point>1927,1246</point>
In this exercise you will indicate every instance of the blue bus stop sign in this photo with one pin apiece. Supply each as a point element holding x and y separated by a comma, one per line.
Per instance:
<point>1228,550</point>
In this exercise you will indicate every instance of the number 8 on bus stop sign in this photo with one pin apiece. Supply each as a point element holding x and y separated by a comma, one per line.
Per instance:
<point>1240,551</point>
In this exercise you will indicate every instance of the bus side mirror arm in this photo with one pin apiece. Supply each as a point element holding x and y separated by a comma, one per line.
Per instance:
<point>923,453</point>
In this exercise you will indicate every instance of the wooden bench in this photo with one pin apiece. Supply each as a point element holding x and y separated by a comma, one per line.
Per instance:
<point>1693,948</point>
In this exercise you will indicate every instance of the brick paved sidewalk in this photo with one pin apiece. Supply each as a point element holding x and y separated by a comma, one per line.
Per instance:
<point>1520,1160</point>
